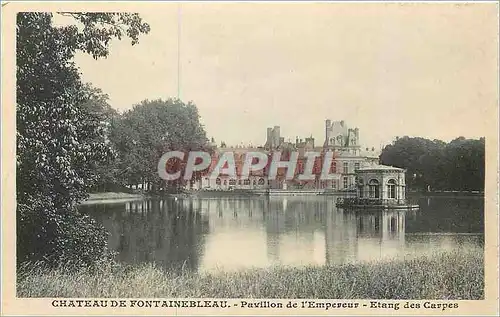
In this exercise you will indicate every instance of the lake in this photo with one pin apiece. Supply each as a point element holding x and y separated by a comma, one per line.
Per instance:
<point>232,233</point>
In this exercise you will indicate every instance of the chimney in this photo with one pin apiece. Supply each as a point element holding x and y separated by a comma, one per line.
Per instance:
<point>328,126</point>
<point>276,136</point>
<point>269,136</point>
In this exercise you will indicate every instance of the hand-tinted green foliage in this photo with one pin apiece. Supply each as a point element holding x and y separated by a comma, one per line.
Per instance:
<point>458,165</point>
<point>142,135</point>
<point>60,137</point>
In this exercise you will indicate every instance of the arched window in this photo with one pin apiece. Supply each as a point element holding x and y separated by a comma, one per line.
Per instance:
<point>373,186</point>
<point>339,140</point>
<point>261,181</point>
<point>217,181</point>
<point>225,182</point>
<point>391,188</point>
<point>232,182</point>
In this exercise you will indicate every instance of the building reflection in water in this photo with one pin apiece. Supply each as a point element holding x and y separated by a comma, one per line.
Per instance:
<point>296,231</point>
<point>235,233</point>
<point>364,235</point>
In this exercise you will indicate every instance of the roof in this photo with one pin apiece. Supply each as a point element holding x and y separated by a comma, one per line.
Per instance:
<point>378,167</point>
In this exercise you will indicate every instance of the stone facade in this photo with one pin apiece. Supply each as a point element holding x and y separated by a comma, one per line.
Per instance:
<point>274,139</point>
<point>256,180</point>
<point>339,138</point>
<point>381,183</point>
<point>349,155</point>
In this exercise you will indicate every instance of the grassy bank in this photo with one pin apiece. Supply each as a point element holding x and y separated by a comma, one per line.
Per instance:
<point>452,275</point>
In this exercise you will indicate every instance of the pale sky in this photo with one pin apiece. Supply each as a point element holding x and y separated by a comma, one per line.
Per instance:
<point>425,70</point>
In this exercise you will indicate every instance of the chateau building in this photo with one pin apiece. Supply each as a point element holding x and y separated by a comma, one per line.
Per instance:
<point>348,157</point>
<point>256,179</point>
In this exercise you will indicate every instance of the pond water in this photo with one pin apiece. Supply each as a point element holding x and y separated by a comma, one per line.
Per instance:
<point>231,233</point>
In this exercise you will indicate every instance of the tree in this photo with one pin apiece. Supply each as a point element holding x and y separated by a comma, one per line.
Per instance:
<point>142,135</point>
<point>465,164</point>
<point>458,165</point>
<point>107,170</point>
<point>60,136</point>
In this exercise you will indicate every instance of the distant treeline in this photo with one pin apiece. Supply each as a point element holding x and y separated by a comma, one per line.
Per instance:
<point>457,165</point>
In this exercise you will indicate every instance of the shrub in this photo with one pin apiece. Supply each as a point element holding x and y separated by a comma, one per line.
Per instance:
<point>58,237</point>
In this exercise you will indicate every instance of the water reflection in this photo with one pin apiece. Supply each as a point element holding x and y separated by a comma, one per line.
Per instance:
<point>234,233</point>
<point>157,231</point>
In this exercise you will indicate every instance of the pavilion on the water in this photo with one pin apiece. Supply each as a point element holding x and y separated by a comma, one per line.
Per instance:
<point>378,186</point>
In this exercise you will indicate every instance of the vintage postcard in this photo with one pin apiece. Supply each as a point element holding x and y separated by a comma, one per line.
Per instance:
<point>250,158</point>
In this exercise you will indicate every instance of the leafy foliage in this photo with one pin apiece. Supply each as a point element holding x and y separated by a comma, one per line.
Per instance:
<point>60,136</point>
<point>457,165</point>
<point>142,135</point>
<point>100,28</point>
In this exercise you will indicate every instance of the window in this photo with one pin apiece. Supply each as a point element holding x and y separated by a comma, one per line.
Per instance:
<point>339,140</point>
<point>261,181</point>
<point>239,182</point>
<point>334,167</point>
<point>373,186</point>
<point>254,182</point>
<point>232,182</point>
<point>391,189</point>
<point>217,181</point>
<point>246,182</point>
<point>225,182</point>
<point>345,180</point>
<point>361,189</point>
<point>356,166</point>
<point>345,168</point>
<point>334,184</point>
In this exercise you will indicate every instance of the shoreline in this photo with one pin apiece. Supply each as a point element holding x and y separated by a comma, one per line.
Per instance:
<point>118,197</point>
<point>112,197</point>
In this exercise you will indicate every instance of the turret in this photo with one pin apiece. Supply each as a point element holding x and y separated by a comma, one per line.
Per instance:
<point>328,127</point>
